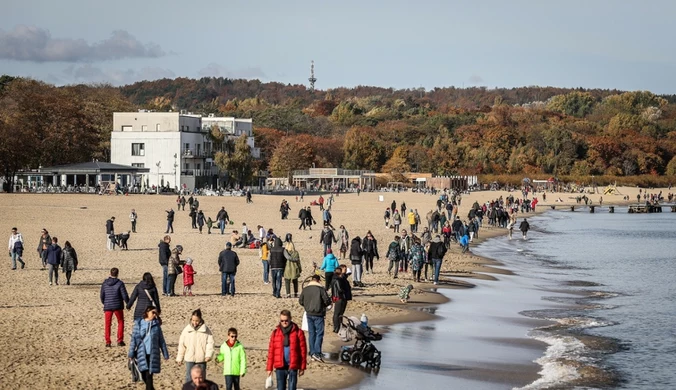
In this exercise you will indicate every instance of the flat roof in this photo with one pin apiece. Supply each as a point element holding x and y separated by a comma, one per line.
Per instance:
<point>92,167</point>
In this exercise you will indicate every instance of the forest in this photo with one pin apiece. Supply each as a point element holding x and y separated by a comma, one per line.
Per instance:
<point>534,131</point>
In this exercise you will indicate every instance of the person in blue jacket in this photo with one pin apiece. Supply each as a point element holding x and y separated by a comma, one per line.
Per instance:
<point>147,341</point>
<point>329,265</point>
<point>464,243</point>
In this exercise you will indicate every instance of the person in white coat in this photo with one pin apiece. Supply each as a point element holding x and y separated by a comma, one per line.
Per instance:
<point>196,345</point>
<point>16,248</point>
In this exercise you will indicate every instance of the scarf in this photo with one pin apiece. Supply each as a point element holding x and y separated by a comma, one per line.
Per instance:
<point>286,331</point>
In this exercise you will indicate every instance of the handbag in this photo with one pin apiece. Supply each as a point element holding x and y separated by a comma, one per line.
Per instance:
<point>132,365</point>
<point>268,382</point>
<point>179,270</point>
<point>304,324</point>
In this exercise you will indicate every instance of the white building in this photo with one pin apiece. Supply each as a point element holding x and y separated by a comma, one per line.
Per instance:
<point>174,146</point>
<point>233,128</point>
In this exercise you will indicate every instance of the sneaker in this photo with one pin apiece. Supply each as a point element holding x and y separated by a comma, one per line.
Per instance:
<point>435,283</point>
<point>108,345</point>
<point>50,283</point>
<point>23,265</point>
<point>121,344</point>
<point>317,358</point>
<point>266,282</point>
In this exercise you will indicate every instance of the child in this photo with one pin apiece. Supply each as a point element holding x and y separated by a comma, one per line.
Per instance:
<point>210,223</point>
<point>234,360</point>
<point>188,277</point>
<point>405,293</point>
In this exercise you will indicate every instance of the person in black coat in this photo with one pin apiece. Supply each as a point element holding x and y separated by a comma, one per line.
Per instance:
<point>277,265</point>
<point>110,234</point>
<point>435,253</point>
<point>170,220</point>
<point>227,264</point>
<point>302,215</point>
<point>524,227</point>
<point>144,294</point>
<point>165,254</point>
<point>370,247</point>
<point>356,254</point>
<point>113,297</point>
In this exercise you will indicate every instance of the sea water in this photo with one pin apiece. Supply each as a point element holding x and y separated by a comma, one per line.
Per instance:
<point>618,328</point>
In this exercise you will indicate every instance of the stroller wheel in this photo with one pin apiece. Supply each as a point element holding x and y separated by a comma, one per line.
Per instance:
<point>356,358</point>
<point>376,362</point>
<point>345,356</point>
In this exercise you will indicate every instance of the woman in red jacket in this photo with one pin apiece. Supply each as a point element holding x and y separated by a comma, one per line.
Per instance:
<point>287,352</point>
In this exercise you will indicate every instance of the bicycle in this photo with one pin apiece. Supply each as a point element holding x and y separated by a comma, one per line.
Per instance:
<point>315,271</point>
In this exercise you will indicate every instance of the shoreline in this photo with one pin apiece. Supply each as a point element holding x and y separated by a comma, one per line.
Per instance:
<point>48,359</point>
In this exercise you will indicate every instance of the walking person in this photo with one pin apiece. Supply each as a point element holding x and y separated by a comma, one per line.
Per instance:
<point>43,244</point>
<point>264,253</point>
<point>227,264</point>
<point>54,260</point>
<point>524,226</point>
<point>195,345</point>
<point>344,240</point>
<point>144,294</point>
<point>16,248</point>
<point>68,261</point>
<point>327,238</point>
<point>356,254</point>
<point>113,297</point>
<point>233,357</point>
<point>277,266</point>
<point>147,343</point>
<point>222,218</point>
<point>370,248</point>
<point>188,277</point>
<point>200,220</point>
<point>394,256</point>
<point>293,268</point>
<point>132,218</point>
<point>417,258</point>
<point>315,300</point>
<point>165,254</point>
<point>110,234</point>
<point>340,294</point>
<point>287,352</point>
<point>436,253</point>
<point>329,265</point>
<point>396,220</point>
<point>170,221</point>
<point>174,268</point>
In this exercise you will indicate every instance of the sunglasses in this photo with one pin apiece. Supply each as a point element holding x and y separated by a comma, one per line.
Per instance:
<point>233,336</point>
<point>284,321</point>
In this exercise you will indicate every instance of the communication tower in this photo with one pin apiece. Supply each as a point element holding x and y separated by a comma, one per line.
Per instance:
<point>312,78</point>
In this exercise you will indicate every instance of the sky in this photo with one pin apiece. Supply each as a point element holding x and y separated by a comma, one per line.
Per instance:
<point>626,45</point>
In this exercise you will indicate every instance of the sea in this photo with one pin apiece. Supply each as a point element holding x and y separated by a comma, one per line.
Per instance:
<point>596,291</point>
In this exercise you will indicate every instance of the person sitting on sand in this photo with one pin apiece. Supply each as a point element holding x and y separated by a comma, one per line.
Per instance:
<point>405,293</point>
<point>235,239</point>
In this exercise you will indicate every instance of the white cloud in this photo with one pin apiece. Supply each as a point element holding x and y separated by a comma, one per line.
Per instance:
<point>30,43</point>
<point>93,74</point>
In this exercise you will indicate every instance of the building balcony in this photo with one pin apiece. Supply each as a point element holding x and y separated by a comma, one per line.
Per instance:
<point>193,153</point>
<point>197,172</point>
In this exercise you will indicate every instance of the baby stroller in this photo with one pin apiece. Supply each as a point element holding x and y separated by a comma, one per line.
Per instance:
<point>363,350</point>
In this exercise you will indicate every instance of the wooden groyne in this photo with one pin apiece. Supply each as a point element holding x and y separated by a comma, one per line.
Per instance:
<point>639,209</point>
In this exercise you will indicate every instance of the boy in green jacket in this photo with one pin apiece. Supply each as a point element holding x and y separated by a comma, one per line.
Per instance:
<point>234,360</point>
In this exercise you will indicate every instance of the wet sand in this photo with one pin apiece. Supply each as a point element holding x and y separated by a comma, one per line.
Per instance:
<point>53,336</point>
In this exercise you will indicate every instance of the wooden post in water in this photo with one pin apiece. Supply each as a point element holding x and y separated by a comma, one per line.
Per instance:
<point>572,208</point>
<point>611,209</point>
<point>553,208</point>
<point>673,209</point>
<point>591,209</point>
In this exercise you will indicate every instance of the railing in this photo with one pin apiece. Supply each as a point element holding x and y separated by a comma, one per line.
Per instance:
<point>332,171</point>
<point>197,172</point>
<point>193,153</point>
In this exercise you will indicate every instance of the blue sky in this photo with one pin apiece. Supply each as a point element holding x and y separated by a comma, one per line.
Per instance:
<point>402,44</point>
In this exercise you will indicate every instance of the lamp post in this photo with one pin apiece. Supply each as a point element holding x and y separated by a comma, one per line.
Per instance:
<point>157,186</point>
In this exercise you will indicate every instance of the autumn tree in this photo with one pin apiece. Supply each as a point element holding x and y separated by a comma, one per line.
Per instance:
<point>362,149</point>
<point>291,154</point>
<point>237,163</point>
<point>576,103</point>
<point>397,165</point>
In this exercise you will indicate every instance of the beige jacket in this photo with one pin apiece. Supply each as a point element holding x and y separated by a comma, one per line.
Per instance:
<point>195,345</point>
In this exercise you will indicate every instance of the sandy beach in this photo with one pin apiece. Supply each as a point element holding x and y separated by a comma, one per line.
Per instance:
<point>53,335</point>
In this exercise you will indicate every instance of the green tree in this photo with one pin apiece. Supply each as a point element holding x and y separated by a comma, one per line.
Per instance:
<point>362,149</point>
<point>237,163</point>
<point>576,103</point>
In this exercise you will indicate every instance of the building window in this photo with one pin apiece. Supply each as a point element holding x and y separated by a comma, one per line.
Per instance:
<point>187,128</point>
<point>197,149</point>
<point>144,128</point>
<point>187,166</point>
<point>157,127</point>
<point>182,127</point>
<point>138,165</point>
<point>198,166</point>
<point>186,148</point>
<point>126,128</point>
<point>138,149</point>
